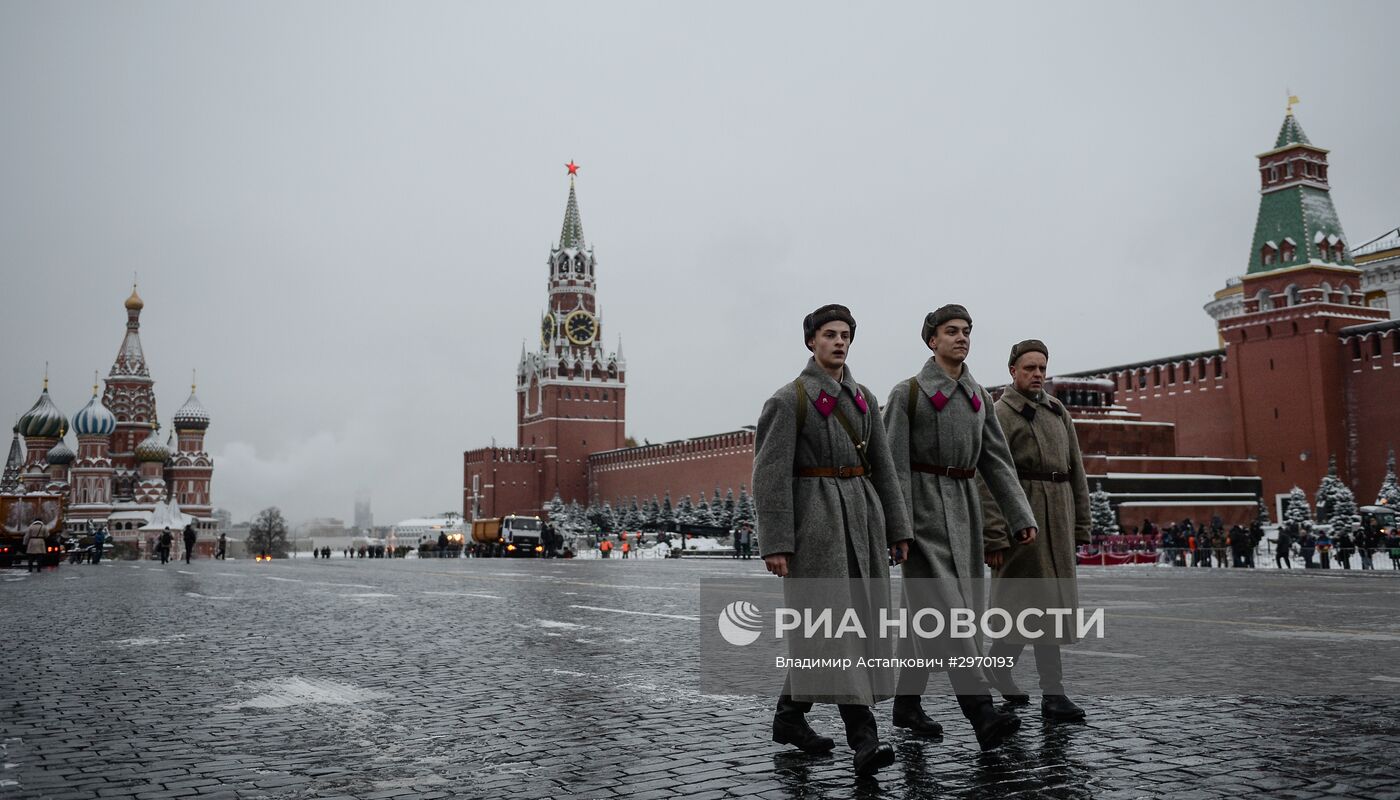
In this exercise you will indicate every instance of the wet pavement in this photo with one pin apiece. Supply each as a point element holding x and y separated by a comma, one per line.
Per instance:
<point>467,678</point>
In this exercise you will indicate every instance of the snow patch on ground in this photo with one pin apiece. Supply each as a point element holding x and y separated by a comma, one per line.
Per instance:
<point>464,594</point>
<point>369,594</point>
<point>554,623</point>
<point>144,641</point>
<point>298,691</point>
<point>208,596</point>
<point>1325,636</point>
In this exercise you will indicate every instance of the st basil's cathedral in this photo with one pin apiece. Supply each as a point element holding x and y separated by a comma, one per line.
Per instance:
<point>125,475</point>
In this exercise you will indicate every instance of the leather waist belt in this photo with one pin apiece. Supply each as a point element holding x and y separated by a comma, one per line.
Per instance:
<point>1054,477</point>
<point>948,472</point>
<point>828,472</point>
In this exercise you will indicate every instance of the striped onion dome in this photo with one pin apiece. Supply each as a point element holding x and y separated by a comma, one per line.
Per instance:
<point>94,419</point>
<point>44,419</point>
<point>60,454</point>
<point>152,448</point>
<point>191,415</point>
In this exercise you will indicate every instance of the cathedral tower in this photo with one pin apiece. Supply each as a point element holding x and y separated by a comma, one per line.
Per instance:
<point>130,397</point>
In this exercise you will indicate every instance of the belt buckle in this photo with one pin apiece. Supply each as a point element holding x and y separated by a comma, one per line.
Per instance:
<point>843,472</point>
<point>1059,477</point>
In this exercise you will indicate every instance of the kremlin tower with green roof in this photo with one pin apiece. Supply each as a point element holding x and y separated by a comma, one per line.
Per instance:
<point>1298,224</point>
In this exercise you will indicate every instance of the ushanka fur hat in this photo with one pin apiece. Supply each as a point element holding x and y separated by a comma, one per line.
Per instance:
<point>831,312</point>
<point>1028,346</point>
<point>935,318</point>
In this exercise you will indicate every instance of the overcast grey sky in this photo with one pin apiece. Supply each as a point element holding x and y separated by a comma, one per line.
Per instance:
<point>340,211</point>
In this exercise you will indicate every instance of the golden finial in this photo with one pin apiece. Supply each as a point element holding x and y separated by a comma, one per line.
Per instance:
<point>193,375</point>
<point>46,376</point>
<point>94,383</point>
<point>1292,101</point>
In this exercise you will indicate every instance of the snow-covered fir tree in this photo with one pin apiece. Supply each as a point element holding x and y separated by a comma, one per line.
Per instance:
<point>703,515</point>
<point>743,510</point>
<point>1327,491</point>
<point>717,515</point>
<point>1262,515</point>
<point>729,508</point>
<point>1343,516</point>
<point>1295,509</point>
<point>667,517</point>
<point>1389,495</point>
<point>685,511</point>
<point>651,514</point>
<point>1102,520</point>
<point>575,519</point>
<point>554,509</point>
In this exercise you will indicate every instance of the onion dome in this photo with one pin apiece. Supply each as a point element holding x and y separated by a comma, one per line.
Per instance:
<point>94,419</point>
<point>43,419</point>
<point>60,455</point>
<point>152,448</point>
<point>134,302</point>
<point>191,415</point>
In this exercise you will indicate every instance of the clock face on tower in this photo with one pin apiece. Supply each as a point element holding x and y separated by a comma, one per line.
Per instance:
<point>581,327</point>
<point>547,329</point>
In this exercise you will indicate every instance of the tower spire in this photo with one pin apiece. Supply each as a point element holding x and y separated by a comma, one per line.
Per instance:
<point>572,234</point>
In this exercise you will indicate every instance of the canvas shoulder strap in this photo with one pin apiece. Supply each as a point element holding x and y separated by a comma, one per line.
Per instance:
<point>801,404</point>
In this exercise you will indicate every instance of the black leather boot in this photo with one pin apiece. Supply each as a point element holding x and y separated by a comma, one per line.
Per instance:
<point>1059,708</point>
<point>992,725</point>
<point>864,738</point>
<point>909,714</point>
<point>790,727</point>
<point>1002,682</point>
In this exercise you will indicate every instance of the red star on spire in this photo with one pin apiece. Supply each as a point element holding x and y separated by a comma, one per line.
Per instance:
<point>573,168</point>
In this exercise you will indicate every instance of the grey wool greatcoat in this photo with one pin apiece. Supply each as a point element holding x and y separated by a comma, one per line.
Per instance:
<point>1041,435</point>
<point>952,425</point>
<point>836,529</point>
<point>814,519</point>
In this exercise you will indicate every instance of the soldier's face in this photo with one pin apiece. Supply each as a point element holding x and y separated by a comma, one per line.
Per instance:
<point>831,344</point>
<point>1028,373</point>
<point>952,340</point>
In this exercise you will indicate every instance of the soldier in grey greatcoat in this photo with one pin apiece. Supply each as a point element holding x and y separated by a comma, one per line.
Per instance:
<point>942,433</point>
<point>1045,450</point>
<point>828,506</point>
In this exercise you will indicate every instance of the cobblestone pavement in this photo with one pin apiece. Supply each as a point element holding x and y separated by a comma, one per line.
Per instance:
<point>466,678</point>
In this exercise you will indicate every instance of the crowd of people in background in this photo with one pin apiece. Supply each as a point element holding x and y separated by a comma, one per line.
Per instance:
<point>1187,544</point>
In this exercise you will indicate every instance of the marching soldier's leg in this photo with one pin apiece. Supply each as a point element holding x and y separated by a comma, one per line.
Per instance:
<point>1054,704</point>
<point>992,725</point>
<point>864,738</point>
<point>913,682</point>
<point>790,724</point>
<point>1001,676</point>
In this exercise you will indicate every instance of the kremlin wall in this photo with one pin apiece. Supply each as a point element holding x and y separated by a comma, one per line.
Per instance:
<point>1308,369</point>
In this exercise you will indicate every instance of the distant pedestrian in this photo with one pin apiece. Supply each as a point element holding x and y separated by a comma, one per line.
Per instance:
<point>1284,546</point>
<point>1324,551</point>
<point>1394,549</point>
<point>99,538</point>
<point>35,546</point>
<point>1307,547</point>
<point>1345,548</point>
<point>190,538</point>
<point>626,547</point>
<point>605,547</point>
<point>166,540</point>
<point>223,547</point>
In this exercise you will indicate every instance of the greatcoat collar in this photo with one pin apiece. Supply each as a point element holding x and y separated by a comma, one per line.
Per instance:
<point>817,380</point>
<point>1026,404</point>
<point>932,379</point>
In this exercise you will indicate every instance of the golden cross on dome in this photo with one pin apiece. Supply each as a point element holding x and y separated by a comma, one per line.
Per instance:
<point>1292,101</point>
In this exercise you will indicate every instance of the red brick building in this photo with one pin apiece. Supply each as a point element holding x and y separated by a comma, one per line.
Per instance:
<point>571,394</point>
<point>1307,369</point>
